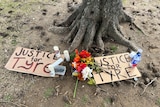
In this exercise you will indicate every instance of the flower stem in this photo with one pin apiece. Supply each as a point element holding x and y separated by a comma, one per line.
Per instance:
<point>75,89</point>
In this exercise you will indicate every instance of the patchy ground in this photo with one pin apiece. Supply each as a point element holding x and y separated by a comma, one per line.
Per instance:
<point>25,23</point>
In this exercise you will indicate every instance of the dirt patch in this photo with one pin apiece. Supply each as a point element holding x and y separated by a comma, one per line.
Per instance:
<point>26,23</point>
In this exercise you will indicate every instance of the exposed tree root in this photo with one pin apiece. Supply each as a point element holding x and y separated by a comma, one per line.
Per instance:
<point>118,37</point>
<point>94,20</point>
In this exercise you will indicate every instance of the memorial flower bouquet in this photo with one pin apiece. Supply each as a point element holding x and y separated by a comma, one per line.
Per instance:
<point>82,67</point>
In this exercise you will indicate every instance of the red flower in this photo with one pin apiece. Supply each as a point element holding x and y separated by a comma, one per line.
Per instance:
<point>81,67</point>
<point>76,51</point>
<point>84,54</point>
<point>77,59</point>
<point>80,77</point>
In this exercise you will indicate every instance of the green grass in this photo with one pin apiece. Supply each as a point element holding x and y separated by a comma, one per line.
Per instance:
<point>8,97</point>
<point>66,105</point>
<point>49,92</point>
<point>113,48</point>
<point>158,102</point>
<point>85,99</point>
<point>108,100</point>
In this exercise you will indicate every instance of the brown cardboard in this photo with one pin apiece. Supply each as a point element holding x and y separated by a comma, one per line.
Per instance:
<point>30,61</point>
<point>115,68</point>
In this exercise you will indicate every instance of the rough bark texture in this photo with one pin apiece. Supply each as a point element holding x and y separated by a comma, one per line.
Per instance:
<point>92,21</point>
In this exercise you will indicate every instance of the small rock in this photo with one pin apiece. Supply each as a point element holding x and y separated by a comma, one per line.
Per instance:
<point>147,80</point>
<point>4,34</point>
<point>157,7</point>
<point>31,28</point>
<point>47,39</point>
<point>70,9</point>
<point>129,50</point>
<point>44,13</point>
<point>118,83</point>
<point>55,22</point>
<point>24,102</point>
<point>157,74</point>
<point>150,66</point>
<point>112,99</point>
<point>145,75</point>
<point>155,69</point>
<point>39,27</point>
<point>10,11</point>
<point>154,83</point>
<point>129,38</point>
<point>124,8</point>
<point>149,10</point>
<point>57,13</point>
<point>1,9</point>
<point>66,99</point>
<point>10,28</point>
<point>42,34</point>
<point>131,28</point>
<point>44,10</point>
<point>143,23</point>
<point>143,15</point>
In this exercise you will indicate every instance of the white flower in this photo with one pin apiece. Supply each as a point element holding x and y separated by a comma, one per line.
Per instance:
<point>86,72</point>
<point>74,64</point>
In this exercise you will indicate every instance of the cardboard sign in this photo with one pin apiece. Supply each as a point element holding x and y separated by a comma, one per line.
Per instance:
<point>115,68</point>
<point>31,61</point>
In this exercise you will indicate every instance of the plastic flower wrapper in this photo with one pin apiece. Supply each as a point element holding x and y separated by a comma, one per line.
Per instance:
<point>82,63</point>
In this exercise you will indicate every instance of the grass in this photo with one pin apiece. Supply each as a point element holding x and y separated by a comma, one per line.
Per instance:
<point>8,97</point>
<point>49,92</point>
<point>66,105</point>
<point>113,48</point>
<point>158,102</point>
<point>108,100</point>
<point>85,99</point>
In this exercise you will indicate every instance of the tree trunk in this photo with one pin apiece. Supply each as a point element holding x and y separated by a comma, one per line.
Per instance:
<point>92,21</point>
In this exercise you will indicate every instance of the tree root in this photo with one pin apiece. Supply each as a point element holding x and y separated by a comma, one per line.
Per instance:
<point>91,22</point>
<point>59,30</point>
<point>118,37</point>
<point>126,18</point>
<point>79,36</point>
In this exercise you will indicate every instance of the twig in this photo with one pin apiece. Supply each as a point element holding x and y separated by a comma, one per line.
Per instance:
<point>148,85</point>
<point>18,105</point>
<point>136,83</point>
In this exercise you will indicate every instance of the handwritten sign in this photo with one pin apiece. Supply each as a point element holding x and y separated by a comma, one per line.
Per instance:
<point>30,61</point>
<point>115,68</point>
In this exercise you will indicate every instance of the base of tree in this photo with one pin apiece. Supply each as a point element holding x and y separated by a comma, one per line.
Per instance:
<point>92,21</point>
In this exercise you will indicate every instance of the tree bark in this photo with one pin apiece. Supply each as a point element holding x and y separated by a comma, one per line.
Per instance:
<point>92,21</point>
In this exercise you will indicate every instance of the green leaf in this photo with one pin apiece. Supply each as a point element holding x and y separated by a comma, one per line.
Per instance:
<point>91,81</point>
<point>72,55</point>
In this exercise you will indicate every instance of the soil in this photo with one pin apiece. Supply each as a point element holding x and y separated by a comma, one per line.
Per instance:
<point>25,23</point>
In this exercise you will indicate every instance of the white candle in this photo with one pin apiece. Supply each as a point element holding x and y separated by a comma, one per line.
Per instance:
<point>66,55</point>
<point>57,51</point>
<point>51,67</point>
